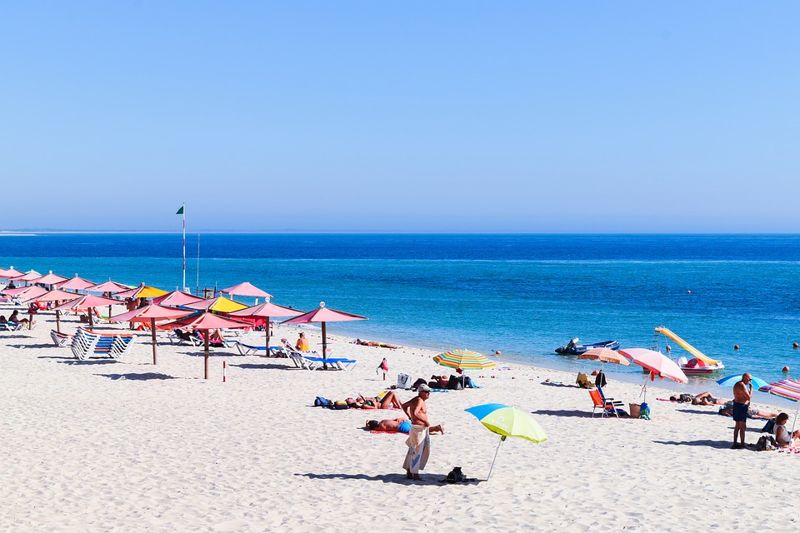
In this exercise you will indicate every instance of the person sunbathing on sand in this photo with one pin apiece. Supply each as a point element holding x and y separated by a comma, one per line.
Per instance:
<point>388,401</point>
<point>727,410</point>
<point>401,425</point>
<point>704,398</point>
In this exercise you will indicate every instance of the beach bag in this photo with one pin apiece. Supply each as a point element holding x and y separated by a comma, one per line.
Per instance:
<point>766,443</point>
<point>403,381</point>
<point>319,401</point>
<point>644,411</point>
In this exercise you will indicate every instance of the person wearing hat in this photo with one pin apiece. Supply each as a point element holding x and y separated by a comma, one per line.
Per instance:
<point>419,441</point>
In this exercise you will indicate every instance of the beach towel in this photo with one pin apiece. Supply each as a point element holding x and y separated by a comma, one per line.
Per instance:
<point>419,449</point>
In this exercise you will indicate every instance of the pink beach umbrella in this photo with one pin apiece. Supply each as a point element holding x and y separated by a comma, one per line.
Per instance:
<point>50,279</point>
<point>657,364</point>
<point>75,283</point>
<point>205,322</point>
<point>324,315</point>
<point>56,295</point>
<point>177,298</point>
<point>23,293</point>
<point>246,289</point>
<point>29,276</point>
<point>11,273</point>
<point>149,314</point>
<point>266,311</point>
<point>111,287</point>
<point>87,302</point>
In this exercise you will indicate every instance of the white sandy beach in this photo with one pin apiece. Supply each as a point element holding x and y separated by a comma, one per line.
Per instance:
<point>98,445</point>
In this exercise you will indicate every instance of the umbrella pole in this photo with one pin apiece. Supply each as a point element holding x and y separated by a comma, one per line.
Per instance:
<point>266,334</point>
<point>797,411</point>
<point>91,321</point>
<point>495,457</point>
<point>205,362</point>
<point>324,348</point>
<point>58,321</point>
<point>153,332</point>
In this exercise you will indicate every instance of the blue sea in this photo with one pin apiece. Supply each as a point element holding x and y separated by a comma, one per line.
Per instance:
<point>521,294</point>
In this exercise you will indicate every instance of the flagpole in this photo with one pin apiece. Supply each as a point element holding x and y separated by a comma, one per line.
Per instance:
<point>183,214</point>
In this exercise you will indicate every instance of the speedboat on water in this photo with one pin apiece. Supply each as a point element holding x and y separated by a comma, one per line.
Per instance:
<point>575,347</point>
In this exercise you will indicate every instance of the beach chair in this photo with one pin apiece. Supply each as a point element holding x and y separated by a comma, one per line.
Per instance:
<point>60,339</point>
<point>337,363</point>
<point>10,326</point>
<point>249,349</point>
<point>607,399</point>
<point>185,338</point>
<point>87,343</point>
<point>599,403</point>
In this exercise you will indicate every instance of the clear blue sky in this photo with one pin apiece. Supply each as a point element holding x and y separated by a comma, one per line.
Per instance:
<point>401,116</point>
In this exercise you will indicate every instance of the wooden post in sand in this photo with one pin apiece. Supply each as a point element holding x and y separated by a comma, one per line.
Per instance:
<point>324,348</point>
<point>58,320</point>
<point>266,331</point>
<point>205,362</point>
<point>153,332</point>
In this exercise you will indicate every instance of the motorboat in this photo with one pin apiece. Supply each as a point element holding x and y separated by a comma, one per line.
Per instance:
<point>575,347</point>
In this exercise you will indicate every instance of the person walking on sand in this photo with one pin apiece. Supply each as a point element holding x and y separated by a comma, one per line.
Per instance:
<point>742,391</point>
<point>419,441</point>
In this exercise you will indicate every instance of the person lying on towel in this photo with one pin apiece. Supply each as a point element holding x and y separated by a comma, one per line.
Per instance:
<point>397,425</point>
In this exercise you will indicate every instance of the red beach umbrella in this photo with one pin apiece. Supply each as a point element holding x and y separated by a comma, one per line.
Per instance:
<point>246,289</point>
<point>266,311</point>
<point>149,314</point>
<point>206,322</point>
<point>75,283</point>
<point>324,315</point>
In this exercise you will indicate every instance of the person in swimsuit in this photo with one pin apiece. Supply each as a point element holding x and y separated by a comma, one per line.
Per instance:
<point>400,425</point>
<point>388,401</point>
<point>782,435</point>
<point>302,343</point>
<point>742,391</point>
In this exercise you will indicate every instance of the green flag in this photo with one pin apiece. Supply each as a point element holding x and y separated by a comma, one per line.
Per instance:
<point>180,211</point>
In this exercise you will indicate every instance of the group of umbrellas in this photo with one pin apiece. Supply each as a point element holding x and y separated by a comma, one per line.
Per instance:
<point>180,309</point>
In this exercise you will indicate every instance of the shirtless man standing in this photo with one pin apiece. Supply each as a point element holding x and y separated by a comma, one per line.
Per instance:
<point>418,440</point>
<point>741,402</point>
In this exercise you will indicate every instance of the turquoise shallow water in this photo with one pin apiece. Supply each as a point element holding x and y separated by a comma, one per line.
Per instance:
<point>522,294</point>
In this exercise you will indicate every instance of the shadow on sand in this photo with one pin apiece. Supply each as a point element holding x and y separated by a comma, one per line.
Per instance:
<point>133,376</point>
<point>398,479</point>
<point>563,412</point>
<point>558,384</point>
<point>39,346</point>
<point>87,362</point>
<point>704,443</point>
<point>263,366</point>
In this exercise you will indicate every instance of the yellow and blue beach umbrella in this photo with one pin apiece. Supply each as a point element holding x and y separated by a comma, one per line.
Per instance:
<point>464,360</point>
<point>507,421</point>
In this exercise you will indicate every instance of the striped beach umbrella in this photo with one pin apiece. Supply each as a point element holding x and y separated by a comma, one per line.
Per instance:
<point>463,360</point>
<point>788,389</point>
